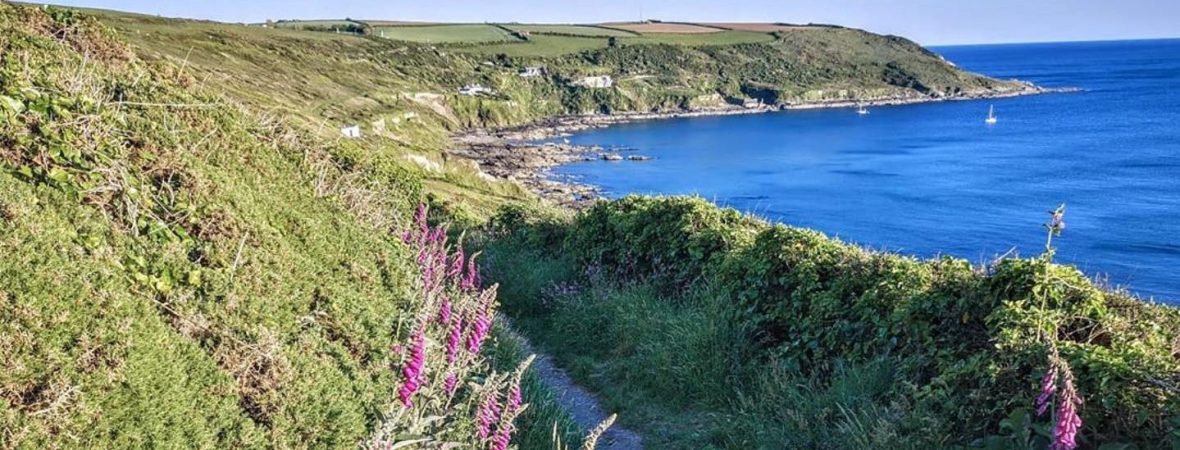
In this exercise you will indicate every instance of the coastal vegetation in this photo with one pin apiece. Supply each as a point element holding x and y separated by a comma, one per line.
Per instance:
<point>180,271</point>
<point>706,328</point>
<point>195,256</point>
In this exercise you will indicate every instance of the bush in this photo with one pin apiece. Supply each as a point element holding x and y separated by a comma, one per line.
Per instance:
<point>964,338</point>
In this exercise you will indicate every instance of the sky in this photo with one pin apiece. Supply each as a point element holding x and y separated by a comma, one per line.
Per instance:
<point>930,22</point>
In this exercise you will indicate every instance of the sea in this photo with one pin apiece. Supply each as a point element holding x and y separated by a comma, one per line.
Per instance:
<point>933,179</point>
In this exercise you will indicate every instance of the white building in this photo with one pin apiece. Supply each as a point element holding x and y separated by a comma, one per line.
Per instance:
<point>474,89</point>
<point>351,132</point>
<point>597,82</point>
<point>530,72</point>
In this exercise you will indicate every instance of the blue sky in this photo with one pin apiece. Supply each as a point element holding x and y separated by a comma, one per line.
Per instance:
<point>930,22</point>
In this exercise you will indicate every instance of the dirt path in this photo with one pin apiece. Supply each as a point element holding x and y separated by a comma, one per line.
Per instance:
<point>582,406</point>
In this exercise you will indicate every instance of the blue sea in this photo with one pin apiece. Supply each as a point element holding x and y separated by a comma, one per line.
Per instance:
<point>933,179</point>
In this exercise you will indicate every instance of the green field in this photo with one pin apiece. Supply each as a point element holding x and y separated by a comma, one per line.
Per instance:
<point>312,23</point>
<point>541,45</point>
<point>577,30</point>
<point>697,39</point>
<point>436,34</point>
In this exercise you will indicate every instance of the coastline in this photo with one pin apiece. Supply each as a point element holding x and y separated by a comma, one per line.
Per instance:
<point>513,153</point>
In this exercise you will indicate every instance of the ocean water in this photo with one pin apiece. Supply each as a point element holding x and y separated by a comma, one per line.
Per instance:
<point>934,179</point>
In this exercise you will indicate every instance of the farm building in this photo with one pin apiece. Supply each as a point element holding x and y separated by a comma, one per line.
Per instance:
<point>595,82</point>
<point>530,72</point>
<point>474,89</point>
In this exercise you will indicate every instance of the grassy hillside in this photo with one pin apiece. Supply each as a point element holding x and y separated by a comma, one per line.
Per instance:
<point>358,78</point>
<point>180,271</point>
<point>705,328</point>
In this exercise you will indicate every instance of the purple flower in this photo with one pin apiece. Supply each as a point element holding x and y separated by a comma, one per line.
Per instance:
<point>514,397</point>
<point>503,436</point>
<point>489,413</point>
<point>412,372</point>
<point>1065,433</point>
<point>471,278</point>
<point>511,409</point>
<point>479,332</point>
<point>453,339</point>
<point>450,384</point>
<point>1048,388</point>
<point>456,269</point>
<point>444,310</point>
<point>420,218</point>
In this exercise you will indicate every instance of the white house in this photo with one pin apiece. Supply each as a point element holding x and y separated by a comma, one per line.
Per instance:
<point>597,82</point>
<point>351,132</point>
<point>474,89</point>
<point>530,72</point>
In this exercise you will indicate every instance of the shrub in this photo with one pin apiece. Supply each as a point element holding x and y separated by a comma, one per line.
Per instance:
<point>965,338</point>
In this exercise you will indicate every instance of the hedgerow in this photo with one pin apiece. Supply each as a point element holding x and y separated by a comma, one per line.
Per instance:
<point>965,338</point>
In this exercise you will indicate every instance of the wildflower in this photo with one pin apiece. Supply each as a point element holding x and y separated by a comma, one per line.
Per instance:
<point>514,397</point>
<point>428,279</point>
<point>1057,220</point>
<point>457,264</point>
<point>450,383</point>
<point>1048,388</point>
<point>489,413</point>
<point>512,408</point>
<point>591,441</point>
<point>418,231</point>
<point>483,320</point>
<point>471,278</point>
<point>1065,433</point>
<point>413,369</point>
<point>479,331</point>
<point>444,310</point>
<point>454,337</point>
<point>503,437</point>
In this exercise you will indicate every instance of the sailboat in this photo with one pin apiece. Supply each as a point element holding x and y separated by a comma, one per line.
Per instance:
<point>861,110</point>
<point>991,115</point>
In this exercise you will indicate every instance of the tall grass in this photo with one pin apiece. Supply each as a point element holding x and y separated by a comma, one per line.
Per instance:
<point>682,370</point>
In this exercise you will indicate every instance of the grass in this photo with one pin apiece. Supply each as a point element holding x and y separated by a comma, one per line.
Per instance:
<point>323,81</point>
<point>680,370</point>
<point>754,26</point>
<point>541,45</point>
<point>698,39</point>
<point>436,34</point>
<point>662,27</point>
<point>575,30</point>
<point>315,24</point>
<point>182,270</point>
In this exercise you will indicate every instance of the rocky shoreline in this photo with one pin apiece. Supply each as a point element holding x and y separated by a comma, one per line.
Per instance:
<point>515,154</point>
